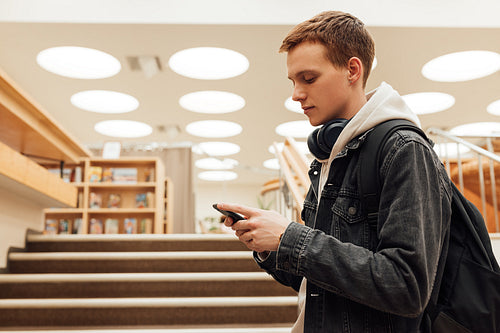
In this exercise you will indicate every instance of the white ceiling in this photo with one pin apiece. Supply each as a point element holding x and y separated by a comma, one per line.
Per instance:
<point>407,35</point>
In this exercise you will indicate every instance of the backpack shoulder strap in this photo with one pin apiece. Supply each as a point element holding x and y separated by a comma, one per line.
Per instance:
<point>369,160</point>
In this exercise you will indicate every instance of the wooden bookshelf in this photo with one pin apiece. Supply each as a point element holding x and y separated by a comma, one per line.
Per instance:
<point>138,182</point>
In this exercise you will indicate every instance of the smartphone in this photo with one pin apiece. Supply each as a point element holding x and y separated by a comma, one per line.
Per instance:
<point>233,215</point>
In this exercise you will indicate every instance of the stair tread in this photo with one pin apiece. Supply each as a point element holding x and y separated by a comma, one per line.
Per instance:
<point>134,277</point>
<point>248,329</point>
<point>131,238</point>
<point>36,256</point>
<point>148,302</point>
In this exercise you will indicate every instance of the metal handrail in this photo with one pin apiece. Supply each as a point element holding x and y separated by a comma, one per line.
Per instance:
<point>481,152</point>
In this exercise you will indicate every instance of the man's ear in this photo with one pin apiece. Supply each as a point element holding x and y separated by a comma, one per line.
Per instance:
<point>355,68</point>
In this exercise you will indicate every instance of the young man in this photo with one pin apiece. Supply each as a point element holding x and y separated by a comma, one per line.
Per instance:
<point>353,275</point>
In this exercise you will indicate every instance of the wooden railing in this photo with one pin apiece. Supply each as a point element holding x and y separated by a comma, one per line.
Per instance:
<point>293,182</point>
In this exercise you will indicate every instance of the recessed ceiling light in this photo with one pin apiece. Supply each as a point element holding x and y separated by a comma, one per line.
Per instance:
<point>213,128</point>
<point>212,163</point>
<point>123,128</point>
<point>211,101</point>
<point>293,106</point>
<point>301,145</point>
<point>462,66</point>
<point>429,102</point>
<point>494,108</point>
<point>208,63</point>
<point>218,176</point>
<point>450,150</point>
<point>295,129</point>
<point>272,163</point>
<point>215,148</point>
<point>78,62</point>
<point>477,129</point>
<point>104,101</point>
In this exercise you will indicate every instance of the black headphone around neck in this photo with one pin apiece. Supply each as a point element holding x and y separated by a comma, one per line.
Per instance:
<point>322,139</point>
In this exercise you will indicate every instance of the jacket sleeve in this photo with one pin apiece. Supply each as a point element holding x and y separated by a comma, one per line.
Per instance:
<point>285,278</point>
<point>414,214</point>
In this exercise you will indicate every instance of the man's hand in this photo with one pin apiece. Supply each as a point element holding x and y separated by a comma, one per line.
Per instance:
<point>261,229</point>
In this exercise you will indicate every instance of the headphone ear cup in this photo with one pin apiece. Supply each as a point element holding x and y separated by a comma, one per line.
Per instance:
<point>314,147</point>
<point>322,140</point>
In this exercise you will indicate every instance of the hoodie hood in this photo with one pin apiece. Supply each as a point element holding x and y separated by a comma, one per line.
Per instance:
<point>384,103</point>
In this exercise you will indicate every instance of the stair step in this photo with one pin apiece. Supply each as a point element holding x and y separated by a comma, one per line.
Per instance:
<point>79,285</point>
<point>139,242</point>
<point>219,329</point>
<point>121,262</point>
<point>147,311</point>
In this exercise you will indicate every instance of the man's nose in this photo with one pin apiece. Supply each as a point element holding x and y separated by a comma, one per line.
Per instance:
<point>298,94</point>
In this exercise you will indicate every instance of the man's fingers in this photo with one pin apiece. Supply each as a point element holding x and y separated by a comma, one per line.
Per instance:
<point>241,209</point>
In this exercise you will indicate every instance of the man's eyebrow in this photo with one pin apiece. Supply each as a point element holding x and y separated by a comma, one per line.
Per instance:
<point>305,71</point>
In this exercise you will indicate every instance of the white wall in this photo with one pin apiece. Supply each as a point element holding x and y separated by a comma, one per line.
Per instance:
<point>17,214</point>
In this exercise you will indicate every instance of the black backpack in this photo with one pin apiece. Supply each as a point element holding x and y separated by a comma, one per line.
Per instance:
<point>469,294</point>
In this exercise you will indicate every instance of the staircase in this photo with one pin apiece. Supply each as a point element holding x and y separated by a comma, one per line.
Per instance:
<point>167,283</point>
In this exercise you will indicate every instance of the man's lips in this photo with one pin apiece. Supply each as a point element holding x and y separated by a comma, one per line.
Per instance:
<point>307,109</point>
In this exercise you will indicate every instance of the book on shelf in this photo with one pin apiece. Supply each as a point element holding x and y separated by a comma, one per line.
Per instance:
<point>111,226</point>
<point>77,226</point>
<point>146,226</point>
<point>96,226</point>
<point>78,174</point>
<point>125,175</point>
<point>64,226</point>
<point>149,175</point>
<point>130,225</point>
<point>144,200</point>
<point>107,175</point>
<point>114,200</point>
<point>51,227</point>
<point>150,199</point>
<point>141,200</point>
<point>95,200</point>
<point>95,174</point>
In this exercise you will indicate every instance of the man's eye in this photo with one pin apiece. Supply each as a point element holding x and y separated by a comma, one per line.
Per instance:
<point>309,79</point>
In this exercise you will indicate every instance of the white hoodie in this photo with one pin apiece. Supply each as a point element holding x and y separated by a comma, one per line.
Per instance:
<point>383,103</point>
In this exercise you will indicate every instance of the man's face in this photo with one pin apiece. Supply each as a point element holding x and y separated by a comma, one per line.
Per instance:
<point>321,88</point>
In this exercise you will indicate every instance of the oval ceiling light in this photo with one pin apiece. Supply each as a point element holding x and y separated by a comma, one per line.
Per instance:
<point>208,63</point>
<point>123,128</point>
<point>78,62</point>
<point>215,148</point>
<point>477,129</point>
<point>218,176</point>
<point>293,106</point>
<point>295,129</point>
<point>494,108</point>
<point>374,63</point>
<point>272,164</point>
<point>429,102</point>
<point>212,163</point>
<point>104,101</point>
<point>211,101</point>
<point>213,128</point>
<point>450,150</point>
<point>462,66</point>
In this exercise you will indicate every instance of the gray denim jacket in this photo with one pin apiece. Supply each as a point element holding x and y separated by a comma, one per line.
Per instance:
<point>364,277</point>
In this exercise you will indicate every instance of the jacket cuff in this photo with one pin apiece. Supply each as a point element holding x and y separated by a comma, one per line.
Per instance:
<point>291,246</point>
